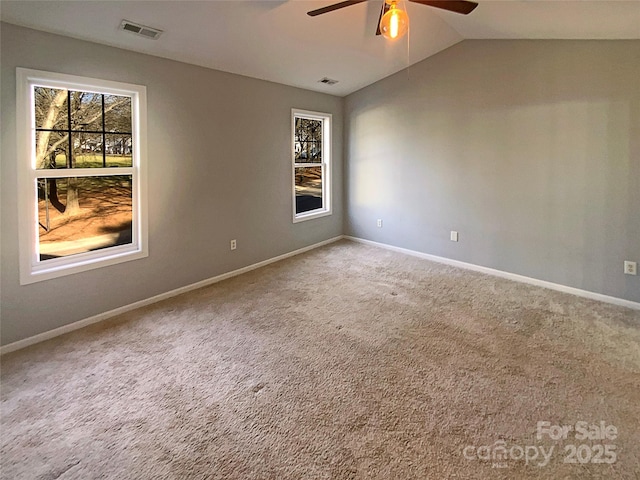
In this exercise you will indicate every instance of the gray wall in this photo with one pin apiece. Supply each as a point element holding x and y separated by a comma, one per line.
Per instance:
<point>219,168</point>
<point>530,149</point>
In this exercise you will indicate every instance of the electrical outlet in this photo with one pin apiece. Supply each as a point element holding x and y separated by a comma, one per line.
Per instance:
<point>379,223</point>
<point>630,268</point>
<point>234,244</point>
<point>454,236</point>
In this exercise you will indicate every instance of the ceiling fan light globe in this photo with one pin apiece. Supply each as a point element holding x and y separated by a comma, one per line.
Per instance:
<point>395,23</point>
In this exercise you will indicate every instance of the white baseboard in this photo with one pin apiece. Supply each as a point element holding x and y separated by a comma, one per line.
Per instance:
<point>499,273</point>
<point>41,337</point>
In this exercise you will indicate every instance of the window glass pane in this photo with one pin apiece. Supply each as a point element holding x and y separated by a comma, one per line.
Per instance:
<point>117,114</point>
<point>50,108</point>
<point>119,150</point>
<point>308,130</point>
<point>51,149</point>
<point>308,152</point>
<point>87,150</point>
<point>308,188</point>
<point>78,215</point>
<point>86,111</point>
<point>308,140</point>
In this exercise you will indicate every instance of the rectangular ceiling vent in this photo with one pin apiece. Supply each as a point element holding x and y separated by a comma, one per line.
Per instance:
<point>328,81</point>
<point>147,32</point>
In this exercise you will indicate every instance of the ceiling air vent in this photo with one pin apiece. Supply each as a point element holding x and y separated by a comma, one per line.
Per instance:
<point>147,32</point>
<point>328,81</point>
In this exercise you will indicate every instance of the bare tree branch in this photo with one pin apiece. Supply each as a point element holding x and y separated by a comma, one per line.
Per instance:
<point>52,116</point>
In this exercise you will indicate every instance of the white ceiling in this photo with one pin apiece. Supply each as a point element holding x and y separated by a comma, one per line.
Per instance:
<point>275,40</point>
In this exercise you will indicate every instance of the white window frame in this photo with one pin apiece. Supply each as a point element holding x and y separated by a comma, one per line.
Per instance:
<point>31,268</point>
<point>327,125</point>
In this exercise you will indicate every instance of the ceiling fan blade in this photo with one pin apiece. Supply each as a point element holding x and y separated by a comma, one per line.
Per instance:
<point>383,10</point>
<point>335,6</point>
<point>458,6</point>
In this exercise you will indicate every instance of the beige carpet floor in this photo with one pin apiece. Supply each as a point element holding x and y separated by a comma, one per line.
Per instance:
<point>347,362</point>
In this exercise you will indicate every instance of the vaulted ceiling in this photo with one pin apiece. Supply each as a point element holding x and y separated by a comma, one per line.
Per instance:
<point>275,40</point>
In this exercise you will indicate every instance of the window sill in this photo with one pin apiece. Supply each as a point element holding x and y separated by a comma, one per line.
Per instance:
<point>48,272</point>
<point>311,215</point>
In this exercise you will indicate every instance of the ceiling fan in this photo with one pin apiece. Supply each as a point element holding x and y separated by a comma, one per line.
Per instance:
<point>394,22</point>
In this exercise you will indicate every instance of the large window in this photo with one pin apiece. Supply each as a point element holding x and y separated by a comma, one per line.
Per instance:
<point>311,164</point>
<point>82,179</point>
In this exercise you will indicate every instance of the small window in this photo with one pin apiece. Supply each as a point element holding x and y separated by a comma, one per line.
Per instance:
<point>82,163</point>
<point>311,164</point>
